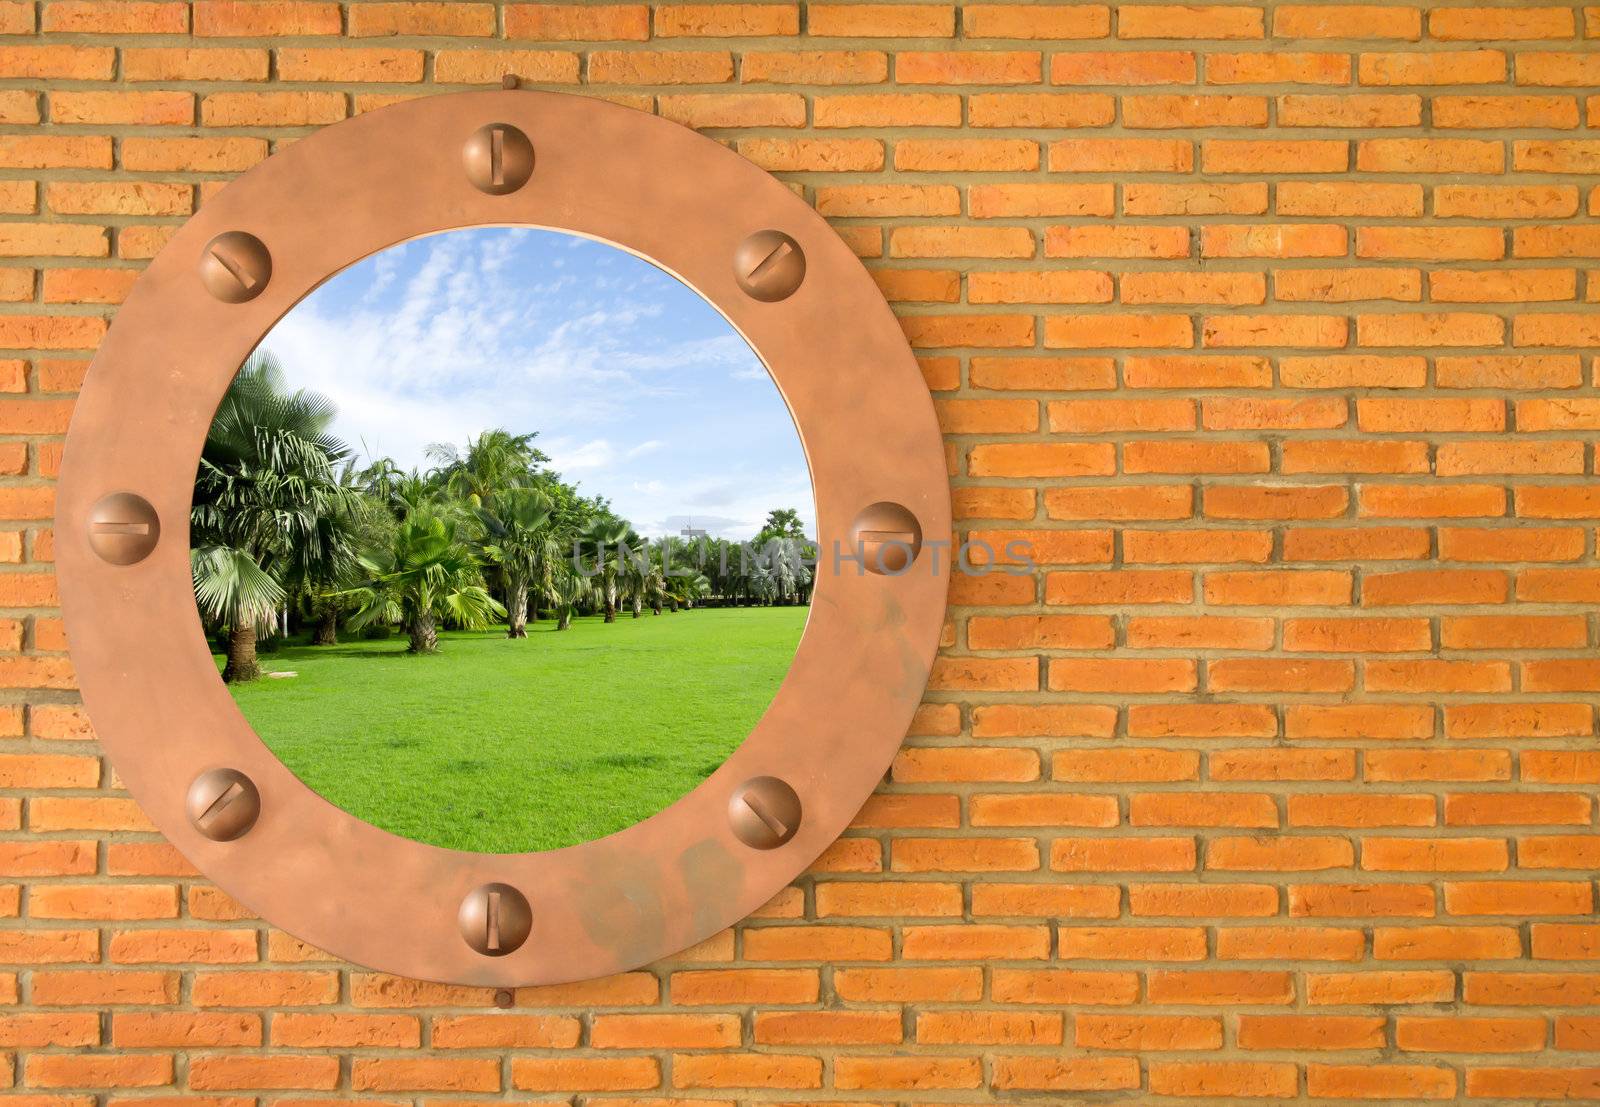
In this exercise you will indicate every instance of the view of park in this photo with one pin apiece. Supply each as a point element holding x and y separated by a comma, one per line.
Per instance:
<point>502,539</point>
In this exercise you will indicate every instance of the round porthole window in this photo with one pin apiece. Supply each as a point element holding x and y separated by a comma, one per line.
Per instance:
<point>503,538</point>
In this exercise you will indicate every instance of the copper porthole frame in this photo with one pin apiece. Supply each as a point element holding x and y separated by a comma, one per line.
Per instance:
<point>258,247</point>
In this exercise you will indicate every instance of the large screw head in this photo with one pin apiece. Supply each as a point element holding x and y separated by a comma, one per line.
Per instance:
<point>495,919</point>
<point>123,528</point>
<point>223,804</point>
<point>886,537</point>
<point>235,266</point>
<point>769,265</point>
<point>764,812</point>
<point>498,159</point>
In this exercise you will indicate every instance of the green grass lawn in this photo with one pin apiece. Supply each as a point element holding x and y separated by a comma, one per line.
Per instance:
<point>504,746</point>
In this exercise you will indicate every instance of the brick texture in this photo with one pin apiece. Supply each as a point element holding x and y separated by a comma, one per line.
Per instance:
<point>1270,325</point>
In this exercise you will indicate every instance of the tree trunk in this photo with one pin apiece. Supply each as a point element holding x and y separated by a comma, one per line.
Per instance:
<point>638,606</point>
<point>564,619</point>
<point>517,610</point>
<point>424,635</point>
<point>327,632</point>
<point>242,665</point>
<point>611,603</point>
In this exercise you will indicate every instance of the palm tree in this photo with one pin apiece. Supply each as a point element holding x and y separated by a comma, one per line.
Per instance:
<point>600,544</point>
<point>763,585</point>
<point>653,586</point>
<point>568,590</point>
<point>516,523</point>
<point>386,483</point>
<point>368,524</point>
<point>782,544</point>
<point>689,590</point>
<point>266,502</point>
<point>783,522</point>
<point>785,573</point>
<point>634,553</point>
<point>549,563</point>
<point>787,558</point>
<point>428,575</point>
<point>492,462</point>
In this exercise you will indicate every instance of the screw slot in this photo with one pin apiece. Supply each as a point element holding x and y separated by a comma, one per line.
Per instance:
<point>223,804</point>
<point>235,267</point>
<point>769,265</point>
<point>123,528</point>
<point>498,159</point>
<point>887,538</point>
<point>495,919</point>
<point>764,812</point>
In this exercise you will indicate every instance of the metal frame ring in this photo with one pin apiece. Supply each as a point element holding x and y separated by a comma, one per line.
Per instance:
<point>784,280</point>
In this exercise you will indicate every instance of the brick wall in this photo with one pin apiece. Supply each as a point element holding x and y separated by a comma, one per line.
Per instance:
<point>1275,780</point>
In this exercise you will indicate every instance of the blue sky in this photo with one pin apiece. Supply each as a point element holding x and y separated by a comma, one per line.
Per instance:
<point>640,390</point>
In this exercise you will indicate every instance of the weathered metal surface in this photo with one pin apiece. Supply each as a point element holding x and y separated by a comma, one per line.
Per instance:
<point>660,191</point>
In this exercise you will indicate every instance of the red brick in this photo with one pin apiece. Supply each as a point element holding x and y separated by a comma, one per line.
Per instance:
<point>591,22</point>
<point>203,64</point>
<point>247,18</point>
<point>1445,943</point>
<point>1121,155</point>
<point>224,1072</point>
<point>421,17</point>
<point>427,1074</point>
<point>1082,1074</point>
<point>78,1070</point>
<point>77,63</point>
<point>1317,1032</point>
<point>1220,987</point>
<point>183,1030</point>
<point>1260,68</point>
<point>882,20</point>
<point>1062,21</point>
<point>1171,21</point>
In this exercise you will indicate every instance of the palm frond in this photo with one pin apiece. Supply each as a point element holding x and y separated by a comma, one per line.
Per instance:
<point>232,589</point>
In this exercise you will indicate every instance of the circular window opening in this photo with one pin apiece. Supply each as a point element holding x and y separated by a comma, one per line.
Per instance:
<point>503,539</point>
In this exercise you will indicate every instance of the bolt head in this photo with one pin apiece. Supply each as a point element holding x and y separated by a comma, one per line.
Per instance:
<point>123,528</point>
<point>769,265</point>
<point>223,804</point>
<point>235,267</point>
<point>498,159</point>
<point>764,812</point>
<point>887,538</point>
<point>495,919</point>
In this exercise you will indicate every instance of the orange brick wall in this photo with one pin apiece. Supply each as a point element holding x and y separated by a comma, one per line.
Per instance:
<point>1270,325</point>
